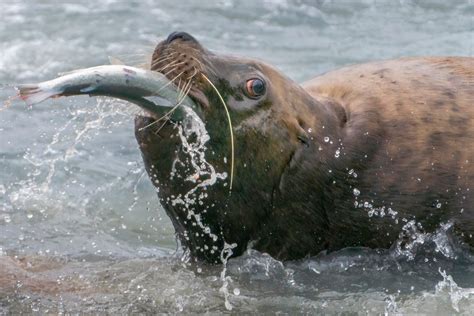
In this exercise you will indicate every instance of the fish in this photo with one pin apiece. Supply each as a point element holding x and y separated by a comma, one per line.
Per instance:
<point>151,91</point>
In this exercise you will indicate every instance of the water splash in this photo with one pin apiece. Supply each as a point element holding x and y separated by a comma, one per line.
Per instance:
<point>86,123</point>
<point>391,307</point>
<point>455,292</point>
<point>193,128</point>
<point>194,136</point>
<point>412,238</point>
<point>226,253</point>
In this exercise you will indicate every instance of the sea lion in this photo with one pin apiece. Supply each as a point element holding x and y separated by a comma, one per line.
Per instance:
<point>350,158</point>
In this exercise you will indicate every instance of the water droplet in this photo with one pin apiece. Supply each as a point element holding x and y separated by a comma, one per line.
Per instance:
<point>124,226</point>
<point>227,305</point>
<point>29,216</point>
<point>326,139</point>
<point>338,152</point>
<point>236,291</point>
<point>356,192</point>
<point>438,205</point>
<point>7,218</point>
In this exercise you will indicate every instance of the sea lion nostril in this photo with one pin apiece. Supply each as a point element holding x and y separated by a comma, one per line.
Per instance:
<point>181,35</point>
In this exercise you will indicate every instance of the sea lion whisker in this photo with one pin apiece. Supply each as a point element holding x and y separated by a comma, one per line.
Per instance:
<point>160,60</point>
<point>171,71</point>
<point>161,127</point>
<point>230,129</point>
<point>171,64</point>
<point>153,61</point>
<point>179,101</point>
<point>199,62</point>
<point>199,52</point>
<point>149,125</point>
<point>184,92</point>
<point>181,92</point>
<point>194,74</point>
<point>170,82</point>
<point>179,83</point>
<point>167,52</point>
<point>165,57</point>
<point>167,115</point>
<point>179,64</point>
<point>208,68</point>
<point>181,97</point>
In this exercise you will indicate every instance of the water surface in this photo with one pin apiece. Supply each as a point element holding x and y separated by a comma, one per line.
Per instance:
<point>80,224</point>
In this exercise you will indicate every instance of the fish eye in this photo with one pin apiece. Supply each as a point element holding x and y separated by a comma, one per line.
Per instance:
<point>255,87</point>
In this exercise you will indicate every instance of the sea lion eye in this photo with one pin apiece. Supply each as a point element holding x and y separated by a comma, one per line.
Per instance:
<point>255,87</point>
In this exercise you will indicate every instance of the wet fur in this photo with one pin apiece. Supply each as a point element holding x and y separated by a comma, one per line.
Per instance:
<point>421,116</point>
<point>404,126</point>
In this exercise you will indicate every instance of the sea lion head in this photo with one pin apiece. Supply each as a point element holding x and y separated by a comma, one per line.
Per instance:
<point>273,125</point>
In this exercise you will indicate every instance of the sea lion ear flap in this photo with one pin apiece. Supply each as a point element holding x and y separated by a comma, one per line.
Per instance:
<point>341,113</point>
<point>301,132</point>
<point>304,138</point>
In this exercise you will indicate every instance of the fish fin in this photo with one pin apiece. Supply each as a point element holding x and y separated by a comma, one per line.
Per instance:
<point>160,101</point>
<point>115,61</point>
<point>88,89</point>
<point>33,93</point>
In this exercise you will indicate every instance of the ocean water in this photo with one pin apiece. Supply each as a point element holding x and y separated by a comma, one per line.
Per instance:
<point>81,229</point>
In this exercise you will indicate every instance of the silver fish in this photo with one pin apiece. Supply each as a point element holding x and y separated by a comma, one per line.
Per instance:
<point>149,90</point>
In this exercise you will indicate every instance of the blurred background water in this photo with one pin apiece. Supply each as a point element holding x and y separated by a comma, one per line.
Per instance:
<point>81,228</point>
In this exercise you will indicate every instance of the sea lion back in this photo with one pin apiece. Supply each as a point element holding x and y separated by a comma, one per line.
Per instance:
<point>420,113</point>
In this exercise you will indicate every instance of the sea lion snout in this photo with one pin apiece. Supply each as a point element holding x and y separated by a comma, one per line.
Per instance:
<point>182,59</point>
<point>180,35</point>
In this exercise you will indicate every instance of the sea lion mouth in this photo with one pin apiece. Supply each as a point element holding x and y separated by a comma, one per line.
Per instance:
<point>183,60</point>
<point>180,59</point>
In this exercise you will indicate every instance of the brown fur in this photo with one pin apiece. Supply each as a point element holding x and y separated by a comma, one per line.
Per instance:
<point>404,126</point>
<point>426,108</point>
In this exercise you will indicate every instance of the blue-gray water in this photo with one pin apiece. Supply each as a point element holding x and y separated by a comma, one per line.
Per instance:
<point>80,225</point>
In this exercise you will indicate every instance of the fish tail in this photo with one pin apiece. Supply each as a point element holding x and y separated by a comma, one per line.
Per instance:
<point>34,93</point>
